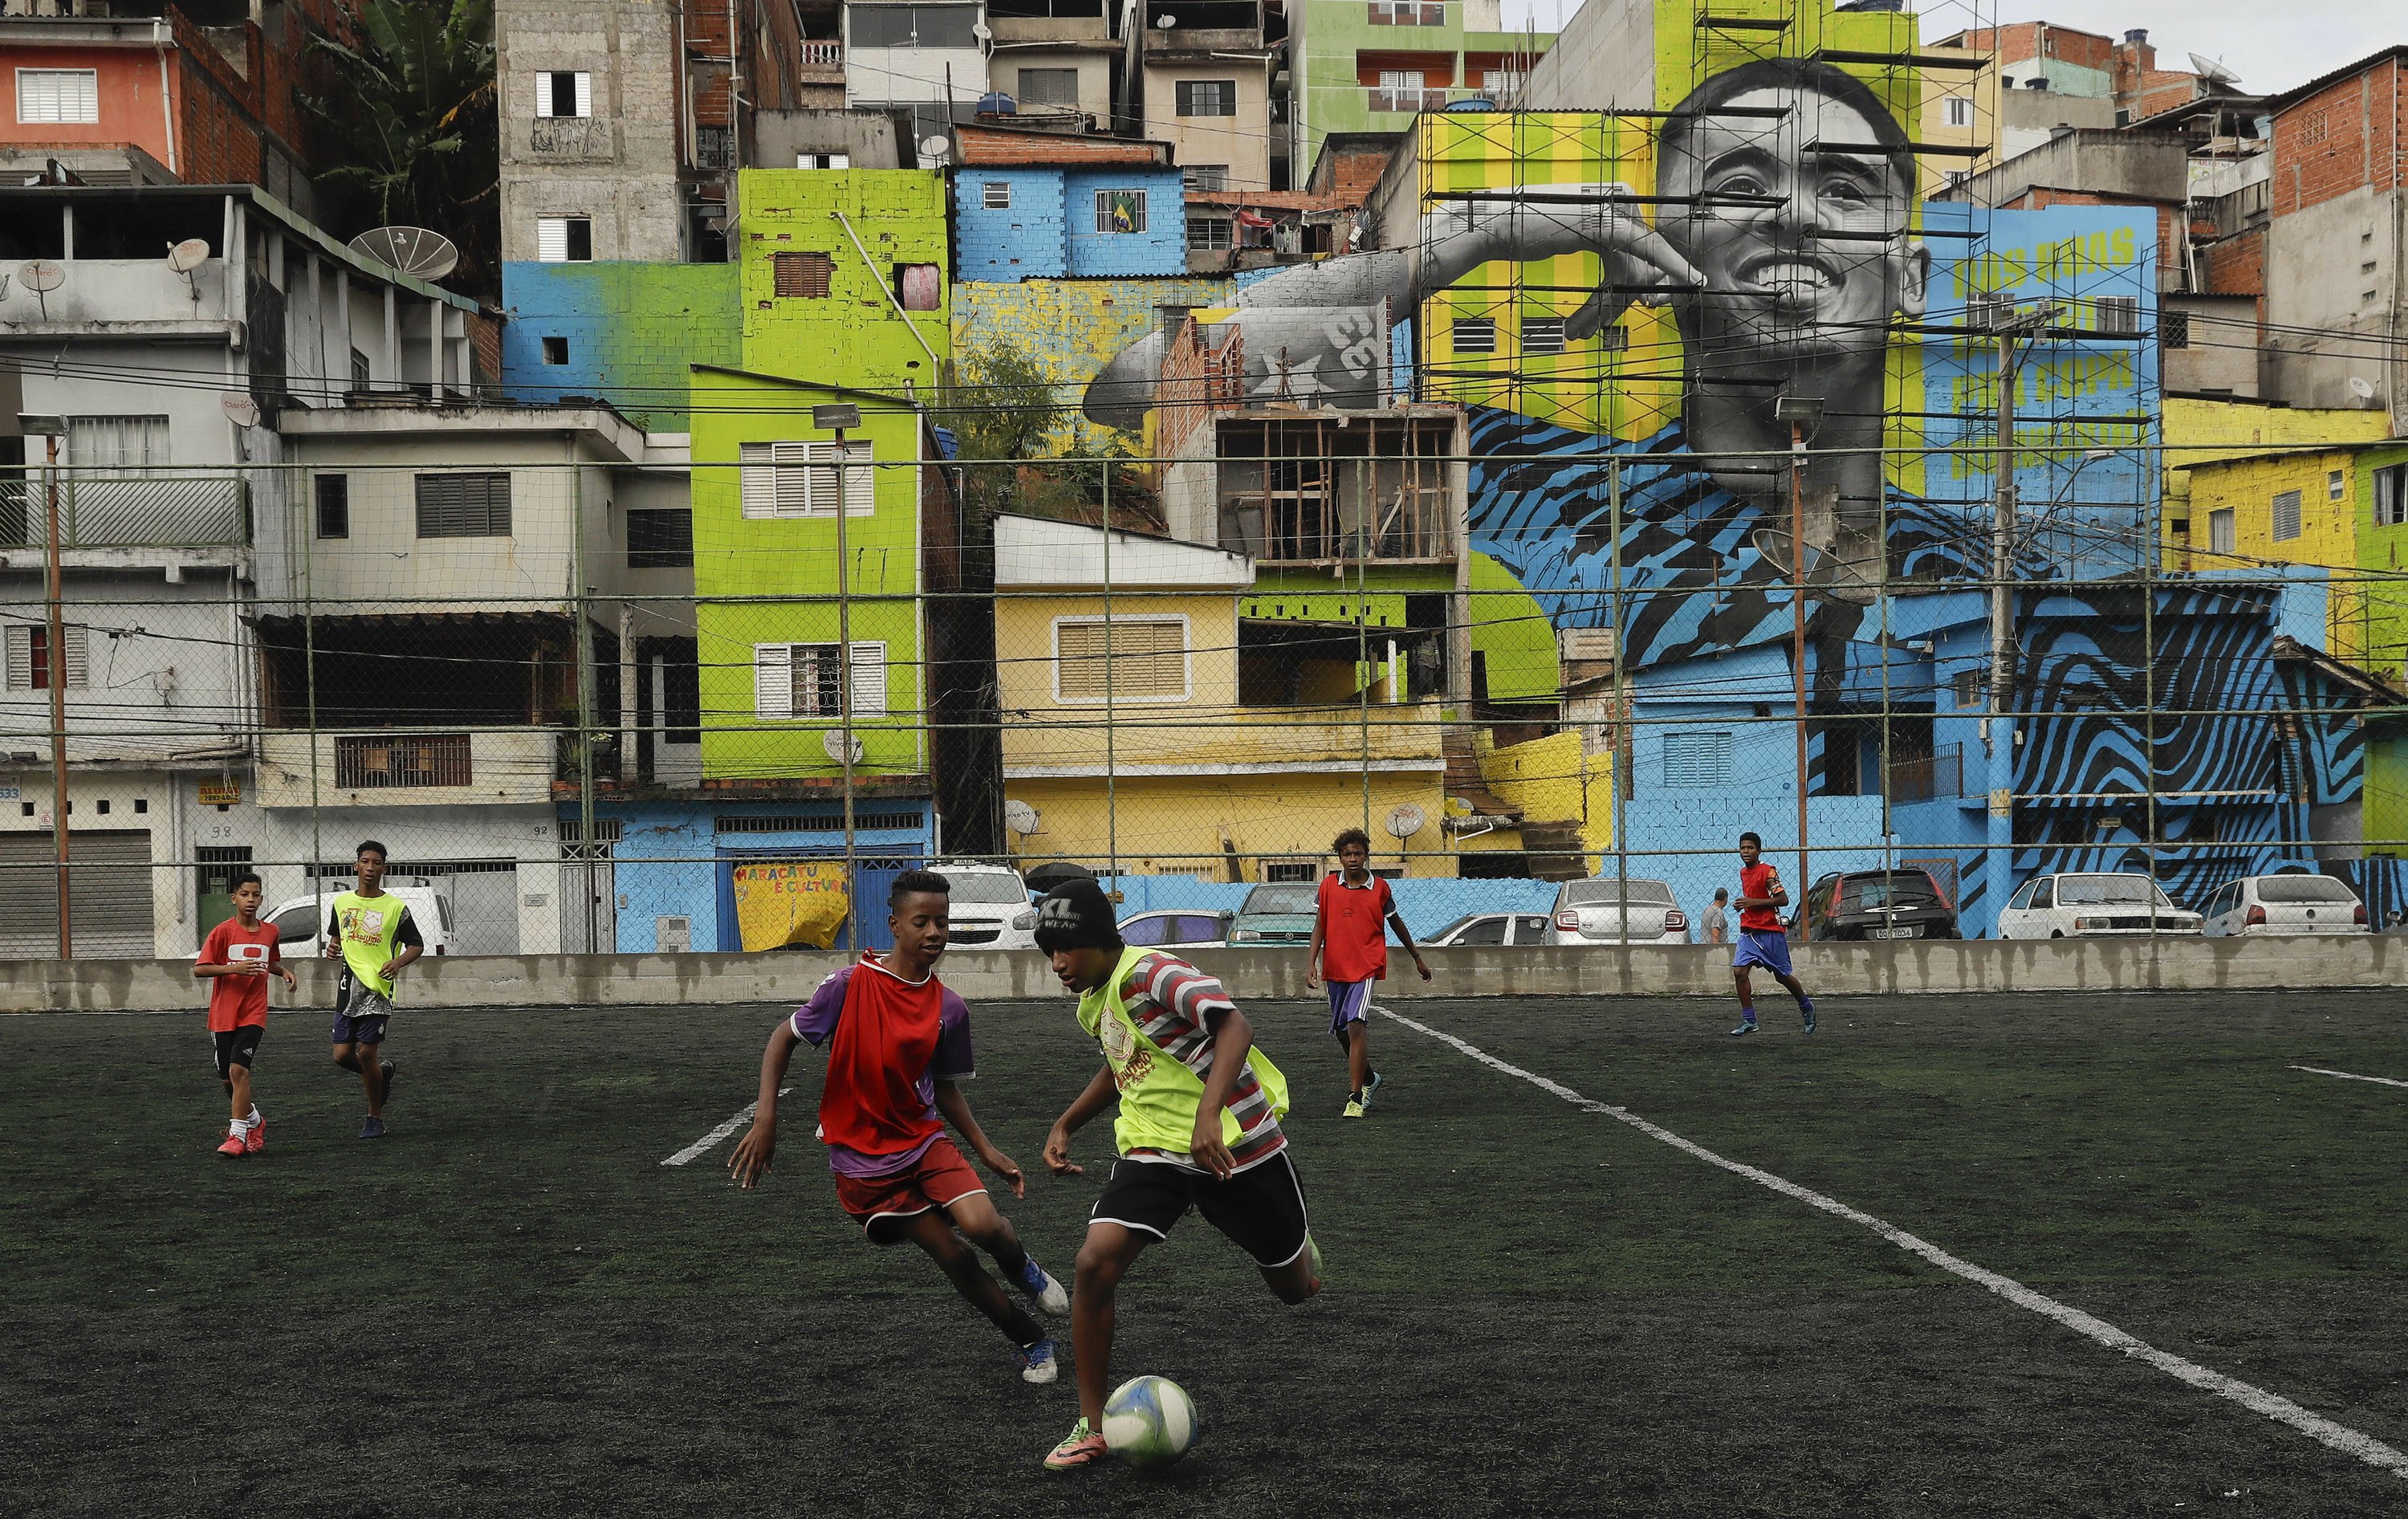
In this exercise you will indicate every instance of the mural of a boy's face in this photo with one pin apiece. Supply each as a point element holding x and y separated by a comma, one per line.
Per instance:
<point>1778,293</point>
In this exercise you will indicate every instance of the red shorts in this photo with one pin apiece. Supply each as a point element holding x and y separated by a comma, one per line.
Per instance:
<point>938,1178</point>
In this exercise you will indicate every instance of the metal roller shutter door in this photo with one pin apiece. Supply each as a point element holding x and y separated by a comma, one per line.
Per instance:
<point>109,895</point>
<point>485,911</point>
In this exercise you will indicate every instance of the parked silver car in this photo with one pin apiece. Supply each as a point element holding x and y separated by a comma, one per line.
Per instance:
<point>1492,928</point>
<point>1607,910</point>
<point>2292,902</point>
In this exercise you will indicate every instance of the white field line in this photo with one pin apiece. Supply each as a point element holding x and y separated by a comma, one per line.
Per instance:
<point>2351,1076</point>
<point>2282,1410</point>
<point>722,1131</point>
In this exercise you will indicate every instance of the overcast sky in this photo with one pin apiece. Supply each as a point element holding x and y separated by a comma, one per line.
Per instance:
<point>2271,44</point>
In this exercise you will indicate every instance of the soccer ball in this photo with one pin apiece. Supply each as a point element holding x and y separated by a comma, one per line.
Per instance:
<point>1149,1422</point>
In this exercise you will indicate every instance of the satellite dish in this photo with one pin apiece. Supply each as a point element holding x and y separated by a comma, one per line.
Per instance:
<point>833,741</point>
<point>2359,385</point>
<point>188,255</point>
<point>984,33</point>
<point>2212,71</point>
<point>1405,820</point>
<point>41,275</point>
<point>240,409</point>
<point>1165,22</point>
<point>933,147</point>
<point>413,251</point>
<point>1021,818</point>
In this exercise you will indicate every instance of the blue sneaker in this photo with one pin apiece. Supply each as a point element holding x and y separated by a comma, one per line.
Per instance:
<point>1806,1010</point>
<point>372,1129</point>
<point>1378,1081</point>
<point>1747,1026</point>
<point>1038,1362</point>
<point>1042,1290</point>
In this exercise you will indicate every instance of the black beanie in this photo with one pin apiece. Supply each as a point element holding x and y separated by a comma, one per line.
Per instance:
<point>1077,915</point>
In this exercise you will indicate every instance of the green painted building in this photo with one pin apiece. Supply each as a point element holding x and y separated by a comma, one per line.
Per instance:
<point>1372,66</point>
<point>842,276</point>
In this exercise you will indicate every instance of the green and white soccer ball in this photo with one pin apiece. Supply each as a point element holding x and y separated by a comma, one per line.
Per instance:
<point>1149,1422</point>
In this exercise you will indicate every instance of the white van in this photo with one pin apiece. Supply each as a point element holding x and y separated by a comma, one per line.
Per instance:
<point>301,923</point>
<point>2293,902</point>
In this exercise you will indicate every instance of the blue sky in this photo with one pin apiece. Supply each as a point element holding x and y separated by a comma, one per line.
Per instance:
<point>2311,37</point>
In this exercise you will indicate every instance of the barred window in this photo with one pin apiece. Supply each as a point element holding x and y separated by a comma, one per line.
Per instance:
<point>803,679</point>
<point>1211,233</point>
<point>1049,87</point>
<point>1147,660</point>
<point>1206,97</point>
<point>2174,329</point>
<point>1120,210</point>
<point>372,764</point>
<point>464,506</point>
<point>996,195</point>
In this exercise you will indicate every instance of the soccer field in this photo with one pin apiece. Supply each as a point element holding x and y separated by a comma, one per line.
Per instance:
<point>511,1306</point>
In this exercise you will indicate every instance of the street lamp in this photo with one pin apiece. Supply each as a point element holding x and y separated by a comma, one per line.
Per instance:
<point>49,429</point>
<point>837,419</point>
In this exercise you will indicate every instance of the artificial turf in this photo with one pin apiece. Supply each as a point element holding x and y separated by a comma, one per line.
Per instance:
<point>509,1306</point>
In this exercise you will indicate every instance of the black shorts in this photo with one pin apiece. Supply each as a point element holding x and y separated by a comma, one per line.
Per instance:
<point>236,1047</point>
<point>1261,1208</point>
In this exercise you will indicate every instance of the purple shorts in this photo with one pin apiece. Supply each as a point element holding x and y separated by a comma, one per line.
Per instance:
<point>1350,1002</point>
<point>1765,947</point>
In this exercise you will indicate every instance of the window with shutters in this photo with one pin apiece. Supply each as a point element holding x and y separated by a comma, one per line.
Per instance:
<point>1147,660</point>
<point>1542,334</point>
<point>562,92</point>
<point>2119,314</point>
<point>1475,335</point>
<point>995,195</point>
<point>1696,761</point>
<point>660,538</point>
<point>2284,511</point>
<point>801,276</point>
<point>799,480</point>
<point>792,680</point>
<point>1120,210</point>
<point>29,657</point>
<point>563,239</point>
<point>333,493</point>
<point>63,96</point>
<point>464,506</point>
<point>2391,496</point>
<point>1205,97</point>
<point>1049,87</point>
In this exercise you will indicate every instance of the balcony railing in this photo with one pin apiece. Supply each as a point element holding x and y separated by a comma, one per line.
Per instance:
<point>823,55</point>
<point>413,759</point>
<point>1408,102</point>
<point>1941,774</point>
<point>113,510</point>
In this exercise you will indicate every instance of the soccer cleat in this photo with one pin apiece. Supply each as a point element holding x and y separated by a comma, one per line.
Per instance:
<point>1378,1081</point>
<point>1080,1447</point>
<point>1354,1106</point>
<point>1042,1290</point>
<point>1746,1026</point>
<point>372,1129</point>
<point>1037,1362</point>
<point>386,1071</point>
<point>256,1141</point>
<point>1806,1012</point>
<point>233,1149</point>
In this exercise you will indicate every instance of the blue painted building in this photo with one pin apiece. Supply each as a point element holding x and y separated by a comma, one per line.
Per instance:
<point>1044,206</point>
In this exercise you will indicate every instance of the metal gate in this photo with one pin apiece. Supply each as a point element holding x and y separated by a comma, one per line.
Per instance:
<point>589,889</point>
<point>109,895</point>
<point>484,909</point>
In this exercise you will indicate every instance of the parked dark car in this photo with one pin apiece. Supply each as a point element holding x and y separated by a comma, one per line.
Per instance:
<point>1875,904</point>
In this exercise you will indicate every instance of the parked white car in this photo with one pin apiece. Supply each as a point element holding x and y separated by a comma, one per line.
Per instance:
<point>2293,902</point>
<point>1186,928</point>
<point>2092,906</point>
<point>1493,928</point>
<point>1609,911</point>
<point>301,923</point>
<point>991,909</point>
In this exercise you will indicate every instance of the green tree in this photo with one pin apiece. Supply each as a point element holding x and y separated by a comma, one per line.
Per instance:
<point>1005,414</point>
<point>412,129</point>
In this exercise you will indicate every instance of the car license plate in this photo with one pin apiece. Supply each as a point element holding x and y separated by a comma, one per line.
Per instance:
<point>1911,932</point>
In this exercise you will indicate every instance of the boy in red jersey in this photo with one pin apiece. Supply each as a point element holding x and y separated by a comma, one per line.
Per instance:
<point>1350,950</point>
<point>898,1046</point>
<point>1761,941</point>
<point>236,959</point>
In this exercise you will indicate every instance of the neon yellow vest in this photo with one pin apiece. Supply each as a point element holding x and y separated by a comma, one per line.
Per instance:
<point>371,926</point>
<point>1159,1096</point>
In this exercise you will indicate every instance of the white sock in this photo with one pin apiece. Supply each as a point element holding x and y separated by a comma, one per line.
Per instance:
<point>254,1115</point>
<point>239,1127</point>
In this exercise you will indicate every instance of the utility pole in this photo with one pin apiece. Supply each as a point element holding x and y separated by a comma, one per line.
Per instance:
<point>55,658</point>
<point>840,418</point>
<point>1998,730</point>
<point>1801,412</point>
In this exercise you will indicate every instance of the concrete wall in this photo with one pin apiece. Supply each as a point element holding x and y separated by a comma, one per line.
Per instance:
<point>1605,57</point>
<point>619,166</point>
<point>867,138</point>
<point>2058,966</point>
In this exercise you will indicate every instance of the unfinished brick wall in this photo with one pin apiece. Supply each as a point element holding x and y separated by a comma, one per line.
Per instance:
<point>2341,137</point>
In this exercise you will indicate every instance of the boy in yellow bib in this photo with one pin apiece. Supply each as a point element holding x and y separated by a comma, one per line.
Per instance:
<point>1199,1124</point>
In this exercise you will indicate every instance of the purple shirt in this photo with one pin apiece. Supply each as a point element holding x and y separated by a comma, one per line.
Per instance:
<point>816,1021</point>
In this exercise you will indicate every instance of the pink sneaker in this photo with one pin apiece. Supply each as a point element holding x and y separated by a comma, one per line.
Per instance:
<point>257,1139</point>
<point>234,1148</point>
<point>1080,1447</point>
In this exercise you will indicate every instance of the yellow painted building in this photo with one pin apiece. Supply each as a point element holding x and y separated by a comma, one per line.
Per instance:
<point>2199,431</point>
<point>1550,780</point>
<point>2293,507</point>
<point>1159,749</point>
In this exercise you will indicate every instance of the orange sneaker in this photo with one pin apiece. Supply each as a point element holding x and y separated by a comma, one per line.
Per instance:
<point>234,1148</point>
<point>1080,1447</point>
<point>256,1141</point>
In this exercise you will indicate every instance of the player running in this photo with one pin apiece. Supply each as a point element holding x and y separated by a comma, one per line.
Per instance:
<point>1349,949</point>
<point>1198,1126</point>
<point>236,959</point>
<point>371,931</point>
<point>898,1048</point>
<point>1761,941</point>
